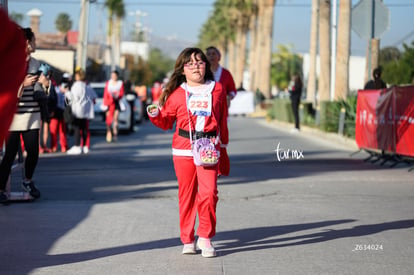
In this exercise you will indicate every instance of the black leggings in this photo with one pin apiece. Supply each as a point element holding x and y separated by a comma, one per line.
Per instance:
<point>295,100</point>
<point>31,145</point>
<point>79,124</point>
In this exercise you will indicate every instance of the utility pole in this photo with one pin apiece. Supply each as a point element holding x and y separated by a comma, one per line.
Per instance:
<point>82,47</point>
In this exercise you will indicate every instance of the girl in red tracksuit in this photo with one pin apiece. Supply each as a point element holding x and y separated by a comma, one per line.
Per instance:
<point>192,100</point>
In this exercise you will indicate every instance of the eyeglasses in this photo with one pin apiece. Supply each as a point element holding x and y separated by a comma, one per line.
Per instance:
<point>193,65</point>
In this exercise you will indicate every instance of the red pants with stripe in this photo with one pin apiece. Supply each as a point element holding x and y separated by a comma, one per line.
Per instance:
<point>197,194</point>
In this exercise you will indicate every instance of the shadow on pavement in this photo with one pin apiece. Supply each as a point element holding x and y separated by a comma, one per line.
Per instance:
<point>228,242</point>
<point>258,238</point>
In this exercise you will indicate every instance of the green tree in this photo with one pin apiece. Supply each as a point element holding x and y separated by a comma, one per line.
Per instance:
<point>218,30</point>
<point>63,22</point>
<point>140,72</point>
<point>159,65</point>
<point>17,17</point>
<point>284,65</point>
<point>116,12</point>
<point>389,54</point>
<point>398,68</point>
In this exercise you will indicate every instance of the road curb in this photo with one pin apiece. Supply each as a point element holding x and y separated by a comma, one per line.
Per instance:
<point>348,143</point>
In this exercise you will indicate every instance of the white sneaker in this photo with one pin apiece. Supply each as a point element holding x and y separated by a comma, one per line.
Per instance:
<point>75,150</point>
<point>189,248</point>
<point>207,248</point>
<point>85,149</point>
<point>294,131</point>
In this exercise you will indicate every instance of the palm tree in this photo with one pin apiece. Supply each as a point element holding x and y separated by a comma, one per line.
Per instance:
<point>343,48</point>
<point>266,45</point>
<point>263,46</point>
<point>253,52</point>
<point>217,30</point>
<point>324,49</point>
<point>313,51</point>
<point>244,11</point>
<point>116,12</point>
<point>63,23</point>
<point>227,29</point>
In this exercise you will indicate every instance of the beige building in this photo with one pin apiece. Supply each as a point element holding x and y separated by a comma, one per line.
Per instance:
<point>56,49</point>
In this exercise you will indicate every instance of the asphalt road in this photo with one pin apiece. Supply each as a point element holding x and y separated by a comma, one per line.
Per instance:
<point>293,204</point>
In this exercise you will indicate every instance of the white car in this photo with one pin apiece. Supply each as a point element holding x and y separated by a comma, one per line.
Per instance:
<point>125,122</point>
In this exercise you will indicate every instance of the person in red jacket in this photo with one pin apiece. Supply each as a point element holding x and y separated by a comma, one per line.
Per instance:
<point>14,56</point>
<point>195,104</point>
<point>223,76</point>
<point>13,66</point>
<point>114,91</point>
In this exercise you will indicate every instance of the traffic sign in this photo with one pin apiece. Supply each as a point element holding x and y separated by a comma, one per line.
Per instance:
<point>370,18</point>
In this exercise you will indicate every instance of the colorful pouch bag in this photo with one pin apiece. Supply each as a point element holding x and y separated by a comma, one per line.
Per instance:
<point>204,152</point>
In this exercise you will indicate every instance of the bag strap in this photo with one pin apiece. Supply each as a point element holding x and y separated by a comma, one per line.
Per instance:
<point>189,118</point>
<point>188,114</point>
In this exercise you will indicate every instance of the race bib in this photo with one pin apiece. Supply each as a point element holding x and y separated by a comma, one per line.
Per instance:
<point>199,103</point>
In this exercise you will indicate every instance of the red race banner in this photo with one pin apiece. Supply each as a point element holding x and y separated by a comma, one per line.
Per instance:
<point>368,133</point>
<point>404,117</point>
<point>385,120</point>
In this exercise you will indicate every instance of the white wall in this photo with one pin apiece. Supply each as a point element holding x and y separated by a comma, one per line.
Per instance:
<point>61,59</point>
<point>356,71</point>
<point>136,49</point>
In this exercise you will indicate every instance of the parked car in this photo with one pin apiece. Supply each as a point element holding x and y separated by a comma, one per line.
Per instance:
<point>125,123</point>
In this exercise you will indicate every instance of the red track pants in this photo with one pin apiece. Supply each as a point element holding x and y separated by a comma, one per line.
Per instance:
<point>58,126</point>
<point>197,193</point>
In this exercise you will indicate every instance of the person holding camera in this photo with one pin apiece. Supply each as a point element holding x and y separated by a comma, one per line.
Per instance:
<point>48,103</point>
<point>26,123</point>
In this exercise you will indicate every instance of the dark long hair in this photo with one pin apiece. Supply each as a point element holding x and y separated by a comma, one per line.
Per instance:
<point>28,34</point>
<point>177,77</point>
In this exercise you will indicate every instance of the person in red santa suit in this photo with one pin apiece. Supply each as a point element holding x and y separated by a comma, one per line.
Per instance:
<point>195,103</point>
<point>13,66</point>
<point>13,69</point>
<point>26,120</point>
<point>114,91</point>
<point>223,76</point>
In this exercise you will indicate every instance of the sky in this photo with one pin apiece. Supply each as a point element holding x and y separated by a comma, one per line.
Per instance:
<point>183,19</point>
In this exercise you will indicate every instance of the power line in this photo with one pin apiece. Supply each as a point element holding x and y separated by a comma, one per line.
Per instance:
<point>192,4</point>
<point>404,38</point>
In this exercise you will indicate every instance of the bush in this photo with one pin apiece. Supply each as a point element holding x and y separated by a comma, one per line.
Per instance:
<point>281,110</point>
<point>307,114</point>
<point>329,115</point>
<point>350,116</point>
